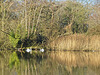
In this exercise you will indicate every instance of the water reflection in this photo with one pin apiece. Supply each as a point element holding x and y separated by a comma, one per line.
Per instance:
<point>52,63</point>
<point>78,63</point>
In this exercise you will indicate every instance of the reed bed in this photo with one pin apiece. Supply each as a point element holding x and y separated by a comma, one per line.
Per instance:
<point>76,42</point>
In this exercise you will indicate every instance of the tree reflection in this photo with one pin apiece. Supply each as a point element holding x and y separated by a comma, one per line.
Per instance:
<point>52,63</point>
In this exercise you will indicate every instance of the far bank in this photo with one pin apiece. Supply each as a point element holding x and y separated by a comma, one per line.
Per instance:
<point>76,42</point>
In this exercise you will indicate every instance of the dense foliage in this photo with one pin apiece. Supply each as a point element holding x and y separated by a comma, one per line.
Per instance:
<point>37,23</point>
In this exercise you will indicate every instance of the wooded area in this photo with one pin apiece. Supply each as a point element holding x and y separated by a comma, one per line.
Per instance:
<point>27,23</point>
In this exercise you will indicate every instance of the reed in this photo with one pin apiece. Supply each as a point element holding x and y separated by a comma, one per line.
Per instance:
<point>76,42</point>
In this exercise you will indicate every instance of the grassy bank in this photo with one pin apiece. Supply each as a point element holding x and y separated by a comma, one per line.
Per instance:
<point>77,42</point>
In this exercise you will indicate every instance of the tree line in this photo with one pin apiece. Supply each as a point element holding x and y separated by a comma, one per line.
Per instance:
<point>36,23</point>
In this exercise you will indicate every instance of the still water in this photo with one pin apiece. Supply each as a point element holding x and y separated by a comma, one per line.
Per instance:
<point>50,63</point>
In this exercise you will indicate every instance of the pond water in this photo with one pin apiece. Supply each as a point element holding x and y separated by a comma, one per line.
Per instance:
<point>50,63</point>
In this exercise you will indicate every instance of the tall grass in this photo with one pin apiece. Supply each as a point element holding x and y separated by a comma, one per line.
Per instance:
<point>76,42</point>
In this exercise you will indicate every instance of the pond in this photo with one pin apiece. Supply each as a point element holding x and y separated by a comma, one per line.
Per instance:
<point>50,63</point>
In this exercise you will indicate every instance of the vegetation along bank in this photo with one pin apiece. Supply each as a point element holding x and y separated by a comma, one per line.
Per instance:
<point>59,25</point>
